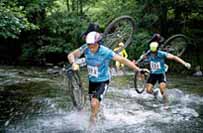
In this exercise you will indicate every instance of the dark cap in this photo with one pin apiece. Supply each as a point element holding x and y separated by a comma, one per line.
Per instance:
<point>91,27</point>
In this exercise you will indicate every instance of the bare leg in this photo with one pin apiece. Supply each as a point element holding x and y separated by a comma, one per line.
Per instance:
<point>162,87</point>
<point>149,88</point>
<point>95,104</point>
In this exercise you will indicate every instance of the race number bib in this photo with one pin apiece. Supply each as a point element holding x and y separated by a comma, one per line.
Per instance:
<point>93,71</point>
<point>155,66</point>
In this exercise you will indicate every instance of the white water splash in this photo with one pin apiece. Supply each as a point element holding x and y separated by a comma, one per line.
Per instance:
<point>125,109</point>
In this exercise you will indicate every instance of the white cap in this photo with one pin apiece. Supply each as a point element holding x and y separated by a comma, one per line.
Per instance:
<point>93,37</point>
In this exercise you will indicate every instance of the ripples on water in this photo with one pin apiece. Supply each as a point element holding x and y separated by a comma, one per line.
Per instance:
<point>123,111</point>
<point>126,112</point>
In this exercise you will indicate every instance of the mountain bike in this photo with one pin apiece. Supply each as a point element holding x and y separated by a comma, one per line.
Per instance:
<point>75,88</point>
<point>176,45</point>
<point>120,29</point>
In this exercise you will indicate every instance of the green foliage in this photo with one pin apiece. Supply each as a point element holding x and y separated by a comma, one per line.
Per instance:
<point>12,21</point>
<point>139,44</point>
<point>28,54</point>
<point>49,27</point>
<point>58,33</point>
<point>105,11</point>
<point>21,15</point>
<point>63,30</point>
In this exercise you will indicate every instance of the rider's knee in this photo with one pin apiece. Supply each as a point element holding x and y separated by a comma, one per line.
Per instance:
<point>94,102</point>
<point>163,85</point>
<point>149,90</point>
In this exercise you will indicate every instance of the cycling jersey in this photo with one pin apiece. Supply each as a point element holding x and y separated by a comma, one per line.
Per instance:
<point>97,63</point>
<point>157,62</point>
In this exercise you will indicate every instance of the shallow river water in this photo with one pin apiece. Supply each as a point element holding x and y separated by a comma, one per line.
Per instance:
<point>33,101</point>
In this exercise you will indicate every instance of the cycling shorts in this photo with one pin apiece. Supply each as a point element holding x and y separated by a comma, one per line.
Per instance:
<point>98,89</point>
<point>153,78</point>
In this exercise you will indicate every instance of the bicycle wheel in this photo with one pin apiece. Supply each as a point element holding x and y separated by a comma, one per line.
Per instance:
<point>176,44</point>
<point>76,89</point>
<point>140,81</point>
<point>119,30</point>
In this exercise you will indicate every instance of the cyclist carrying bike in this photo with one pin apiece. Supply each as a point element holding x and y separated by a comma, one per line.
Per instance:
<point>156,59</point>
<point>97,59</point>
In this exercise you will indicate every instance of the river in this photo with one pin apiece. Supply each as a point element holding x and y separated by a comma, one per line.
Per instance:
<point>33,101</point>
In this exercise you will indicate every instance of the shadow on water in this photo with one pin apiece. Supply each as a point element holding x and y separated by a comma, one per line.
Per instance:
<point>32,101</point>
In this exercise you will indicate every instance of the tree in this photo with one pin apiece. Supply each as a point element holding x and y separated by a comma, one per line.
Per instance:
<point>13,20</point>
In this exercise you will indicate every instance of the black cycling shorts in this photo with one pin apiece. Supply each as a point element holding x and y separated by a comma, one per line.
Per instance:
<point>98,89</point>
<point>153,78</point>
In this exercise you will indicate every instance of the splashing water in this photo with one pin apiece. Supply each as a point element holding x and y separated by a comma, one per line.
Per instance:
<point>123,111</point>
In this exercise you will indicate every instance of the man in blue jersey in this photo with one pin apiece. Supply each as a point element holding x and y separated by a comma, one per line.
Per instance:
<point>97,59</point>
<point>156,59</point>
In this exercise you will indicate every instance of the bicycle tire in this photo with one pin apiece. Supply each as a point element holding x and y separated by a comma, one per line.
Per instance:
<point>76,89</point>
<point>121,28</point>
<point>140,81</point>
<point>176,44</point>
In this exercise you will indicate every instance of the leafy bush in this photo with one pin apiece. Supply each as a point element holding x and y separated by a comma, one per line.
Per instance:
<point>12,21</point>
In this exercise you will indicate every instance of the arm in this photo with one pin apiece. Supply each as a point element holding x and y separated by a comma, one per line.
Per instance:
<point>71,56</point>
<point>126,62</point>
<point>143,57</point>
<point>179,60</point>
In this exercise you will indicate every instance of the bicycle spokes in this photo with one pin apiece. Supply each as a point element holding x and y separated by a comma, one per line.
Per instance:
<point>176,44</point>
<point>119,30</point>
<point>76,89</point>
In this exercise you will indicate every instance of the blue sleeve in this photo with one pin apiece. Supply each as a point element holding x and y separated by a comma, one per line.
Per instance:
<point>111,54</point>
<point>163,54</point>
<point>83,48</point>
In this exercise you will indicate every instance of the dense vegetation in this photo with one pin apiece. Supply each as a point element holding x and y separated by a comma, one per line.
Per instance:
<point>36,32</point>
